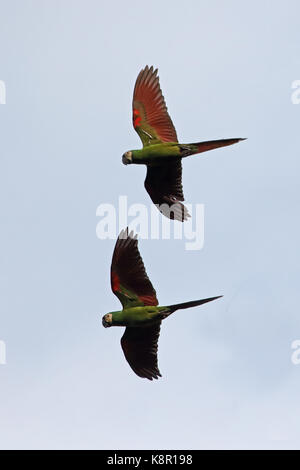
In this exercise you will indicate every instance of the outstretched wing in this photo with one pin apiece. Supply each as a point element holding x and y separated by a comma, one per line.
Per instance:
<point>164,185</point>
<point>129,280</point>
<point>140,349</point>
<point>150,113</point>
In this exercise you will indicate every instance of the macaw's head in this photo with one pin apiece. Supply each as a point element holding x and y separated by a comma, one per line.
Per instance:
<point>127,157</point>
<point>107,320</point>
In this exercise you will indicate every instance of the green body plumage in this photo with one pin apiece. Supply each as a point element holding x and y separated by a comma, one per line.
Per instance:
<point>154,153</point>
<point>149,314</point>
<point>137,316</point>
<point>161,152</point>
<point>141,315</point>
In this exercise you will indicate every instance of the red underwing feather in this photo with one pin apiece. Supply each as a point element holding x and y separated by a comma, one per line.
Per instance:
<point>150,113</point>
<point>115,282</point>
<point>136,118</point>
<point>129,279</point>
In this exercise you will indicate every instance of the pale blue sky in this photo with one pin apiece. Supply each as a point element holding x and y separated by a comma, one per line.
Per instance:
<point>226,70</point>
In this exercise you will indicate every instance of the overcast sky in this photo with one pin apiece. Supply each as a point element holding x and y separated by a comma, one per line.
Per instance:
<point>226,70</point>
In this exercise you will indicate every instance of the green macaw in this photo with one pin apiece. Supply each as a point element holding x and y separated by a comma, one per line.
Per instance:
<point>161,152</point>
<point>141,314</point>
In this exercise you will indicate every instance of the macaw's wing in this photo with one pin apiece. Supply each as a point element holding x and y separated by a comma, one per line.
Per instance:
<point>129,280</point>
<point>150,114</point>
<point>163,183</point>
<point>140,349</point>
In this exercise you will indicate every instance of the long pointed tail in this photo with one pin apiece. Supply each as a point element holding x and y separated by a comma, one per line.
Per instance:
<point>199,147</point>
<point>193,303</point>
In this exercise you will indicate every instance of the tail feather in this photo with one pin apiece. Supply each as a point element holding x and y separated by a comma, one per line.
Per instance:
<point>199,147</point>
<point>193,303</point>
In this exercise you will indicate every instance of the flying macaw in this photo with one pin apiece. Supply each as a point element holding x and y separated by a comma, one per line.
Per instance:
<point>141,314</point>
<point>161,151</point>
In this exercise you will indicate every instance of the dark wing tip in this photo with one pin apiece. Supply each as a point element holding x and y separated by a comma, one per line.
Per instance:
<point>140,346</point>
<point>133,236</point>
<point>210,299</point>
<point>147,68</point>
<point>150,375</point>
<point>125,234</point>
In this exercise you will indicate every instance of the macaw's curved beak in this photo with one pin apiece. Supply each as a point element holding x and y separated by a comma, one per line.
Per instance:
<point>107,320</point>
<point>127,158</point>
